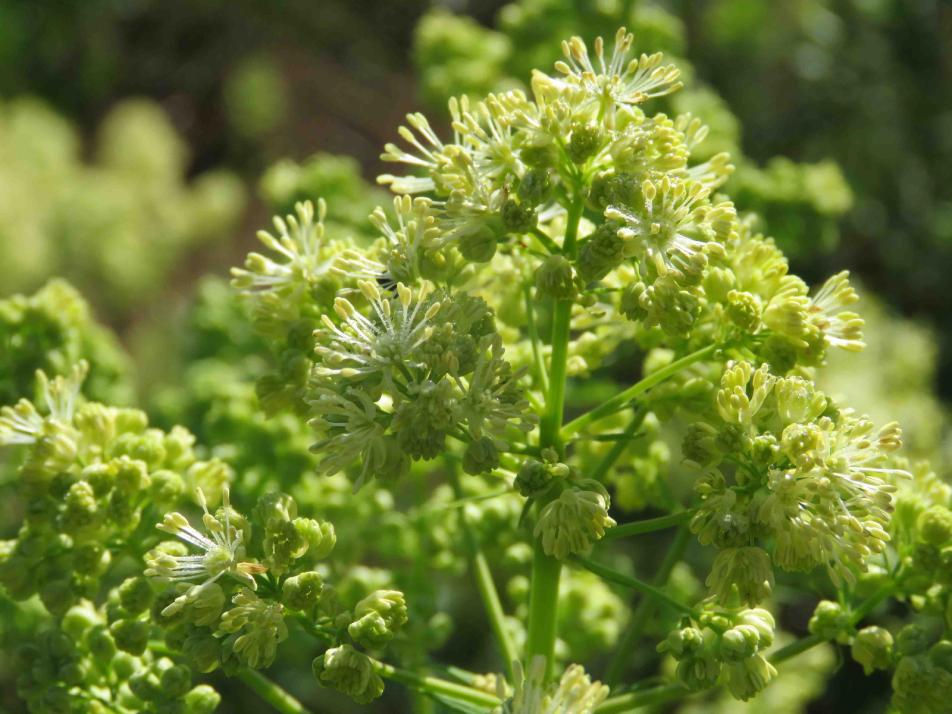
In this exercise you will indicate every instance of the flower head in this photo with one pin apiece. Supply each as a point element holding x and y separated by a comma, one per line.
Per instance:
<point>223,548</point>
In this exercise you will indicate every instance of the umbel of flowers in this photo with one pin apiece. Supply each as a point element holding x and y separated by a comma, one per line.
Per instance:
<point>538,238</point>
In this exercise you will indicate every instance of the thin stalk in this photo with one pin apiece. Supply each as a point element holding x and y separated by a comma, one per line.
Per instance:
<point>547,242</point>
<point>435,685</point>
<point>538,360</point>
<point>635,700</point>
<point>652,380</point>
<point>270,692</point>
<point>613,576</point>
<point>485,583</point>
<point>546,571</point>
<point>637,419</point>
<point>795,648</point>
<point>649,525</point>
<point>639,618</point>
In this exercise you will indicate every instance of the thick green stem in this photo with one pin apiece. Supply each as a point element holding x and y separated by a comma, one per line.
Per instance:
<point>648,525</point>
<point>546,571</point>
<point>635,628</point>
<point>436,686</point>
<point>647,697</point>
<point>485,583</point>
<point>613,576</point>
<point>622,398</point>
<point>274,695</point>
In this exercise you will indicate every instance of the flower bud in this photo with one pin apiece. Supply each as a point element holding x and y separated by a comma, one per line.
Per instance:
<point>518,217</point>
<point>585,141</point>
<point>131,636</point>
<point>481,456</point>
<point>533,478</point>
<point>319,536</point>
<point>743,309</point>
<point>349,672</point>
<point>302,592</point>
<point>535,187</point>
<point>135,595</point>
<point>746,571</point>
<point>202,700</point>
<point>378,615</point>
<point>479,245</point>
<point>872,648</point>
<point>555,278</point>
<point>601,253</point>
<point>829,620</point>
<point>571,523</point>
<point>935,525</point>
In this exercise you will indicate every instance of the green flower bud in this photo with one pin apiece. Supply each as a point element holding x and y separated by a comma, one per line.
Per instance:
<point>829,621</point>
<point>302,592</point>
<point>124,665</point>
<point>319,536</point>
<point>202,700</point>
<point>175,681</point>
<point>479,245</point>
<point>584,142</point>
<point>941,655</point>
<point>779,354</point>
<point>601,253</point>
<point>935,525</point>
<point>421,423</point>
<point>146,685</point>
<point>533,479</point>
<point>349,672</point>
<point>555,278</point>
<point>872,648</point>
<point>920,687</point>
<point>135,595</point>
<point>748,677</point>
<point>481,456</point>
<point>743,309</point>
<point>915,639</point>
<point>718,283</point>
<point>378,617</point>
<point>131,636</point>
<point>78,619</point>
<point>539,157</point>
<point>700,444</point>
<point>535,187</point>
<point>57,596</point>
<point>744,571</point>
<point>100,643</point>
<point>80,511</point>
<point>91,558</point>
<point>609,189</point>
<point>282,544</point>
<point>634,299</point>
<point>518,217</point>
<point>203,650</point>
<point>571,523</point>
<point>167,488</point>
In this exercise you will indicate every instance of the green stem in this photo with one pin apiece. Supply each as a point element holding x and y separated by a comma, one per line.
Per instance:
<point>485,583</point>
<point>547,242</point>
<point>649,525</point>
<point>637,419</point>
<point>652,380</point>
<point>635,700</point>
<point>795,648</point>
<point>538,360</point>
<point>435,685</point>
<point>546,571</point>
<point>626,645</point>
<point>274,695</point>
<point>613,576</point>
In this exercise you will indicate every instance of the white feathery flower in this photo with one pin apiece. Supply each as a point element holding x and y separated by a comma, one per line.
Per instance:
<point>575,692</point>
<point>619,79</point>
<point>223,549</point>
<point>302,255</point>
<point>23,424</point>
<point>364,345</point>
<point>839,327</point>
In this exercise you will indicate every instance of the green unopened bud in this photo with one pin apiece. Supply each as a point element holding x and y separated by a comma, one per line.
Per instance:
<point>555,278</point>
<point>481,456</point>
<point>539,157</point>
<point>601,253</point>
<point>349,672</point>
<point>700,444</point>
<point>935,525</point>
<point>535,186</point>
<point>533,478</point>
<point>941,654</point>
<point>378,617</point>
<point>829,621</point>
<point>518,217</point>
<point>571,523</point>
<point>131,636</point>
<point>743,309</point>
<point>135,595</point>
<point>203,650</point>
<point>479,245</point>
<point>80,512</point>
<point>319,536</point>
<point>101,644</point>
<point>915,639</point>
<point>175,681</point>
<point>615,190</point>
<point>202,700</point>
<point>872,648</point>
<point>634,301</point>
<point>302,592</point>
<point>585,141</point>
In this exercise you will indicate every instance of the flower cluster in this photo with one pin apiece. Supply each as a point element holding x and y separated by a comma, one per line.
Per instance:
<point>574,693</point>
<point>724,647</point>
<point>783,463</point>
